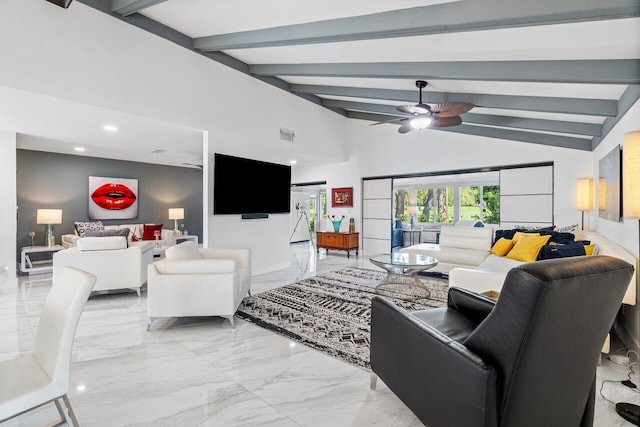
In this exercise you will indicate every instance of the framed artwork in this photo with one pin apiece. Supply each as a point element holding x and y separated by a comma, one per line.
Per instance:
<point>609,185</point>
<point>342,197</point>
<point>113,198</point>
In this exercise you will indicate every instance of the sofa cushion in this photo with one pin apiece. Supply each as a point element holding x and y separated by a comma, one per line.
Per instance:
<point>82,227</point>
<point>527,247</point>
<point>459,256</point>
<point>102,243</point>
<point>184,251</point>
<point>502,246</point>
<point>124,232</point>
<point>475,238</point>
<point>149,230</point>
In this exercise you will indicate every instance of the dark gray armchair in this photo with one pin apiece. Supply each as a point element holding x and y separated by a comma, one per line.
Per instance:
<point>528,359</point>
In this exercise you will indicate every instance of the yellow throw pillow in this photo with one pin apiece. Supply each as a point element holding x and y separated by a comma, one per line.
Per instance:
<point>590,249</point>
<point>527,247</point>
<point>502,246</point>
<point>520,233</point>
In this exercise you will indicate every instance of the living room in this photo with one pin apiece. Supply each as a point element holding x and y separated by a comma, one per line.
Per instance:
<point>93,59</point>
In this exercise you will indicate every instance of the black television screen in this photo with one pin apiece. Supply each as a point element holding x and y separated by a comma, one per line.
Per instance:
<point>270,195</point>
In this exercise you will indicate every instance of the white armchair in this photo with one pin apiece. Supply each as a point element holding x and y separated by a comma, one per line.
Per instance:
<point>192,281</point>
<point>115,265</point>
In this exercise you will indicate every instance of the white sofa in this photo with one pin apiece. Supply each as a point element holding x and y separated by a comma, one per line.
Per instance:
<point>459,246</point>
<point>192,281</point>
<point>489,276</point>
<point>167,237</point>
<point>115,265</point>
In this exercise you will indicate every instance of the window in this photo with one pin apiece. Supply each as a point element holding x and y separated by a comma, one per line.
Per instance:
<point>443,199</point>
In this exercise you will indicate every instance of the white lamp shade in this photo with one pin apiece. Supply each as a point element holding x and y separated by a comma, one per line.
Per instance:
<point>631,175</point>
<point>49,216</point>
<point>176,213</point>
<point>412,210</point>
<point>585,194</point>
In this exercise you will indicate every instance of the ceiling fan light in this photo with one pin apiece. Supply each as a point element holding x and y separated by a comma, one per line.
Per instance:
<point>420,122</point>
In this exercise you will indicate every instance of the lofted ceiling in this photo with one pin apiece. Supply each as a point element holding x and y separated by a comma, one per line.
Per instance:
<point>559,73</point>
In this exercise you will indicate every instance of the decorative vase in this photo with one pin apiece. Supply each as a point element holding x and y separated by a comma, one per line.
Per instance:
<point>336,225</point>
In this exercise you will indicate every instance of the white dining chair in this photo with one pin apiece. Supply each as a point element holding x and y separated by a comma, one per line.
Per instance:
<point>42,376</point>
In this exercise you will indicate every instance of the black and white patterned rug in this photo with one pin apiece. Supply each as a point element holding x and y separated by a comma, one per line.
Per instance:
<point>331,312</point>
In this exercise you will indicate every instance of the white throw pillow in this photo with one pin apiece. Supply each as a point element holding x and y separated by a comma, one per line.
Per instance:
<point>183,251</point>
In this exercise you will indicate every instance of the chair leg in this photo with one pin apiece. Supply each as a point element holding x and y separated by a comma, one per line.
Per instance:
<point>63,416</point>
<point>149,323</point>
<point>72,414</point>
<point>373,379</point>
<point>232,321</point>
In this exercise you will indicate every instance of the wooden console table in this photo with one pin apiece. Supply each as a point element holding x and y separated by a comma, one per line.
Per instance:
<point>338,241</point>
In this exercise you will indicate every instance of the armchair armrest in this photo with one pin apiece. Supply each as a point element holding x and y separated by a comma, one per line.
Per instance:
<point>429,372</point>
<point>470,304</point>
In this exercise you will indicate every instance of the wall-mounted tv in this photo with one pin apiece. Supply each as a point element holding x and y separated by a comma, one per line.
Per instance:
<point>271,193</point>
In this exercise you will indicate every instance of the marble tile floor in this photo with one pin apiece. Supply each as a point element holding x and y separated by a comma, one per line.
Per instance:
<point>203,372</point>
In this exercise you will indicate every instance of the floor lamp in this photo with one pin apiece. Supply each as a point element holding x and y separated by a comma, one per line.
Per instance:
<point>585,196</point>
<point>631,209</point>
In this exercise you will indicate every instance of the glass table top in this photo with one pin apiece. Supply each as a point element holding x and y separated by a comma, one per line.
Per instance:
<point>401,259</point>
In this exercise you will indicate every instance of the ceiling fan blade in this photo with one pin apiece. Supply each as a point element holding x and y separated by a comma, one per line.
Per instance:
<point>443,122</point>
<point>395,119</point>
<point>414,109</point>
<point>451,109</point>
<point>405,128</point>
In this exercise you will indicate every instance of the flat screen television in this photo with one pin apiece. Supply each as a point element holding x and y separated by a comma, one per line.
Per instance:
<point>271,193</point>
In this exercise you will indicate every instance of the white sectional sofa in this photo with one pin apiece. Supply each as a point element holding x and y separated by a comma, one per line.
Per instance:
<point>167,238</point>
<point>115,264</point>
<point>459,246</point>
<point>490,274</point>
<point>465,255</point>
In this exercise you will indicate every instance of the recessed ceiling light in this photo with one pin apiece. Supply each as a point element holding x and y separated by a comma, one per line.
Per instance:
<point>110,128</point>
<point>81,149</point>
<point>293,162</point>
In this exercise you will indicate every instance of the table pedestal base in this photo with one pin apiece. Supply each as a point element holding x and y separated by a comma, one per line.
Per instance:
<point>405,286</point>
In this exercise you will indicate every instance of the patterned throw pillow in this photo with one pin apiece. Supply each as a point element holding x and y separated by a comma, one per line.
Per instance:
<point>83,227</point>
<point>567,229</point>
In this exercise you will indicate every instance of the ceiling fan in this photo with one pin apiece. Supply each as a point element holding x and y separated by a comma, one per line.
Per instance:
<point>423,115</point>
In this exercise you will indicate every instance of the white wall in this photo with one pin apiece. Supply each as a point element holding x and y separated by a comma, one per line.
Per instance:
<point>382,151</point>
<point>8,208</point>
<point>83,55</point>
<point>625,233</point>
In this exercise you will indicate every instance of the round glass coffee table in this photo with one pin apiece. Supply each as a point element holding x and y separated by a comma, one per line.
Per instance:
<point>402,279</point>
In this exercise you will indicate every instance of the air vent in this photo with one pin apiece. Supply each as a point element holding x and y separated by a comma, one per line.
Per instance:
<point>158,151</point>
<point>287,134</point>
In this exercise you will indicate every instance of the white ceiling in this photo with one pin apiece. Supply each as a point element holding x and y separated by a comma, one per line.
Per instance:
<point>580,34</point>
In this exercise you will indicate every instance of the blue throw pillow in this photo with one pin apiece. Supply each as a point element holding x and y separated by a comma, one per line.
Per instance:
<point>562,251</point>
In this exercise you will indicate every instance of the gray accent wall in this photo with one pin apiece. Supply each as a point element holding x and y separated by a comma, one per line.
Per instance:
<point>61,181</point>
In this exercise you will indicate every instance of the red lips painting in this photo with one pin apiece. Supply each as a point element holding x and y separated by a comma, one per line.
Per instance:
<point>112,198</point>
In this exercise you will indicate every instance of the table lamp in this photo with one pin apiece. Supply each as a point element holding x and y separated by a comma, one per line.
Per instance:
<point>175,214</point>
<point>49,217</point>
